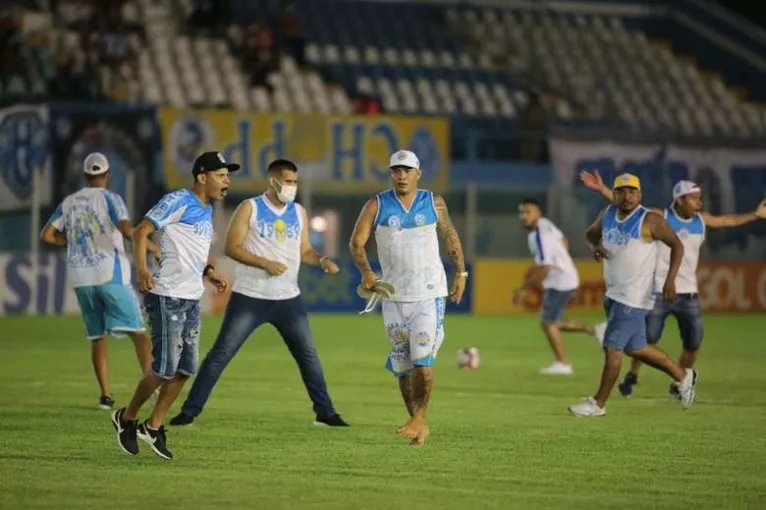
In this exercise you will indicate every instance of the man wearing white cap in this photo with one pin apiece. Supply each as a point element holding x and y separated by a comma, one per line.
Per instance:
<point>92,223</point>
<point>406,221</point>
<point>686,218</point>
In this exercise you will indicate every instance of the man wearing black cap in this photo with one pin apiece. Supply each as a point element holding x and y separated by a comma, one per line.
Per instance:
<point>183,219</point>
<point>268,237</point>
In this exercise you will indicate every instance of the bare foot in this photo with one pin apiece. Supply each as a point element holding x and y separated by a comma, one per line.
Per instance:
<point>420,439</point>
<point>412,428</point>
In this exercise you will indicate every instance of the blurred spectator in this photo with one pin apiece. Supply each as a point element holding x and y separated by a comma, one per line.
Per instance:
<point>367,105</point>
<point>207,15</point>
<point>74,14</point>
<point>255,46</point>
<point>14,74</point>
<point>74,75</point>
<point>290,32</point>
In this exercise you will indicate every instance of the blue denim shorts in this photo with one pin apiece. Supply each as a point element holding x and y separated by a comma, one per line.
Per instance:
<point>688,313</point>
<point>175,324</point>
<point>625,327</point>
<point>555,303</point>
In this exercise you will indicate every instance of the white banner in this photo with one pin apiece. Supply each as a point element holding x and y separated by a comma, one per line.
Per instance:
<point>24,149</point>
<point>733,180</point>
<point>55,295</point>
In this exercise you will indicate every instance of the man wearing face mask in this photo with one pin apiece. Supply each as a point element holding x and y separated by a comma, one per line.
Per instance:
<point>268,237</point>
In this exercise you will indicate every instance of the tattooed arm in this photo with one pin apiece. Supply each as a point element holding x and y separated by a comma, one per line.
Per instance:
<point>449,235</point>
<point>358,243</point>
<point>453,246</point>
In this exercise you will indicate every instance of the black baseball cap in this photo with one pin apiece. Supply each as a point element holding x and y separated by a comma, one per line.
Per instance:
<point>209,161</point>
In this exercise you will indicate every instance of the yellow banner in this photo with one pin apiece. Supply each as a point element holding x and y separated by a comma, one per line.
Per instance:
<point>495,280</point>
<point>338,153</point>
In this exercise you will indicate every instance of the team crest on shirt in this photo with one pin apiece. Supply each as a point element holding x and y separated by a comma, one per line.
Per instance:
<point>615,237</point>
<point>420,220</point>
<point>683,234</point>
<point>204,229</point>
<point>394,222</point>
<point>280,231</point>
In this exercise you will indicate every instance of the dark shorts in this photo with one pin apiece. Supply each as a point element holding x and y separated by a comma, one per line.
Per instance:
<point>688,313</point>
<point>175,324</point>
<point>555,302</point>
<point>625,327</point>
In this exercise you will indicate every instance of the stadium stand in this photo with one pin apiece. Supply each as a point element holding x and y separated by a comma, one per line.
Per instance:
<point>494,71</point>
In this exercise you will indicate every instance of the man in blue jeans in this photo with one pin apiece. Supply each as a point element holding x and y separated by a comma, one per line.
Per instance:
<point>184,221</point>
<point>268,238</point>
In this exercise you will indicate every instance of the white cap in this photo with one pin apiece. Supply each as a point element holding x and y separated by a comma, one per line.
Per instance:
<point>684,188</point>
<point>95,164</point>
<point>404,158</point>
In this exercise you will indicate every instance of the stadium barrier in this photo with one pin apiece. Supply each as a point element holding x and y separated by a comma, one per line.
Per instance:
<point>725,287</point>
<point>47,291</point>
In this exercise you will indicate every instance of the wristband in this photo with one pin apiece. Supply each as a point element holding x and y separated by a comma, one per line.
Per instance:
<point>464,274</point>
<point>207,269</point>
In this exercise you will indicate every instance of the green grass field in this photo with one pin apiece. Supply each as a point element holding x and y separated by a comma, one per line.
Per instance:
<point>501,436</point>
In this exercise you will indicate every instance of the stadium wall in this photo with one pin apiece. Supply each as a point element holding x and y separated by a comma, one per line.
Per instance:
<point>725,287</point>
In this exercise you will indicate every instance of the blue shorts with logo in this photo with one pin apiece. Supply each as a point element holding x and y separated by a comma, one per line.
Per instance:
<point>175,324</point>
<point>625,327</point>
<point>555,303</point>
<point>688,313</point>
<point>109,309</point>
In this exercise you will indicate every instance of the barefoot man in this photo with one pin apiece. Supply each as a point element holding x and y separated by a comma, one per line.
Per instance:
<point>405,221</point>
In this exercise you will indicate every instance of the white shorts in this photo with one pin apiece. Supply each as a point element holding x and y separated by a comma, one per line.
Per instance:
<point>415,331</point>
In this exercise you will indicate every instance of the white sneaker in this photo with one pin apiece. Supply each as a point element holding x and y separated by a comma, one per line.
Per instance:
<point>598,333</point>
<point>687,388</point>
<point>557,368</point>
<point>587,407</point>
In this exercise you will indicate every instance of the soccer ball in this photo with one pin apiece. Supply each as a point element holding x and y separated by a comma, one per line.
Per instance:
<point>468,357</point>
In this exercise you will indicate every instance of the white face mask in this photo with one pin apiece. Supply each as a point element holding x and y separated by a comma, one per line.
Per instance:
<point>285,192</point>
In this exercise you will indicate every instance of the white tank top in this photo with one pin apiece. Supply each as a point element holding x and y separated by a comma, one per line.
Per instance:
<point>274,234</point>
<point>691,232</point>
<point>629,270</point>
<point>408,247</point>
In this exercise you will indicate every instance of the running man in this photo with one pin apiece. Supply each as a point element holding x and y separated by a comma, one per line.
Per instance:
<point>268,238</point>
<point>184,220</point>
<point>92,224</point>
<point>689,222</point>
<point>625,236</point>
<point>558,275</point>
<point>405,221</point>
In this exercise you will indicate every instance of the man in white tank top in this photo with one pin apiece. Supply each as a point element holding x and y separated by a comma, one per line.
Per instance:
<point>625,237</point>
<point>268,237</point>
<point>92,223</point>
<point>558,276</point>
<point>686,218</point>
<point>407,223</point>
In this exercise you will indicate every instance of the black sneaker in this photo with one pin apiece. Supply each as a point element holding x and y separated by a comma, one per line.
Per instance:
<point>673,392</point>
<point>181,419</point>
<point>626,386</point>
<point>156,439</point>
<point>106,402</point>
<point>126,432</point>
<point>330,421</point>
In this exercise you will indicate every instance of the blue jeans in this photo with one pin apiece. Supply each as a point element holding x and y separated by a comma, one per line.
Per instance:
<point>625,327</point>
<point>242,317</point>
<point>175,326</point>
<point>688,313</point>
